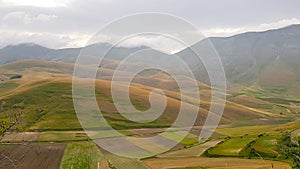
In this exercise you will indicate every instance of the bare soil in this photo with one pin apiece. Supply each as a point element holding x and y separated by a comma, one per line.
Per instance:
<point>31,156</point>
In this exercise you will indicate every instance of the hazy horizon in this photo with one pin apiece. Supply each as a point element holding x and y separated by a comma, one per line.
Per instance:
<point>71,23</point>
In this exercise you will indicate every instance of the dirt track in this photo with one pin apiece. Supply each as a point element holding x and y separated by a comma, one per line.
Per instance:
<point>31,156</point>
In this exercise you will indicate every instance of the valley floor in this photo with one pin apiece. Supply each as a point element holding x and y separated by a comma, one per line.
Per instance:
<point>72,149</point>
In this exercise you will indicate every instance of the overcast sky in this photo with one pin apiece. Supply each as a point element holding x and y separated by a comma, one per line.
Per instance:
<point>70,23</point>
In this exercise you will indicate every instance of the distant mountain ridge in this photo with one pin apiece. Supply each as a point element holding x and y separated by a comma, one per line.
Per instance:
<point>24,51</point>
<point>268,59</point>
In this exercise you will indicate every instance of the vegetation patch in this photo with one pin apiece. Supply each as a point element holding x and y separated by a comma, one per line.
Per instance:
<point>62,136</point>
<point>7,86</point>
<point>266,146</point>
<point>80,155</point>
<point>232,147</point>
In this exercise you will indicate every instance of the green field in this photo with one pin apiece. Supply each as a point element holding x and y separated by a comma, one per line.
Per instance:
<point>48,106</point>
<point>232,147</point>
<point>267,146</point>
<point>80,155</point>
<point>246,130</point>
<point>190,139</point>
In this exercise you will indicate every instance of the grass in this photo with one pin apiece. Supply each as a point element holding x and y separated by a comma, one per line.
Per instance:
<point>254,142</point>
<point>231,148</point>
<point>274,93</point>
<point>194,151</point>
<point>266,146</point>
<point>260,142</point>
<point>48,106</point>
<point>80,155</point>
<point>7,86</point>
<point>116,162</point>
<point>275,105</point>
<point>288,127</point>
<point>275,130</point>
<point>246,130</point>
<point>62,136</point>
<point>190,139</point>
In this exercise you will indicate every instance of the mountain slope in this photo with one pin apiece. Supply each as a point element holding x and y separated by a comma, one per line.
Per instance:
<point>249,59</point>
<point>252,58</point>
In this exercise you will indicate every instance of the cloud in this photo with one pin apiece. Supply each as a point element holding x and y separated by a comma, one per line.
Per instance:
<point>170,46</point>
<point>160,43</point>
<point>223,32</point>
<point>27,18</point>
<point>50,40</point>
<point>278,24</point>
<point>77,20</point>
<point>43,3</point>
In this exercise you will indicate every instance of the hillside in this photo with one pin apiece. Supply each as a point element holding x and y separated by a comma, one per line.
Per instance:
<point>249,58</point>
<point>252,58</point>
<point>44,95</point>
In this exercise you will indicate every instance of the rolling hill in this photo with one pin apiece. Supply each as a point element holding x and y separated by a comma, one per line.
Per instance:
<point>249,59</point>
<point>44,94</point>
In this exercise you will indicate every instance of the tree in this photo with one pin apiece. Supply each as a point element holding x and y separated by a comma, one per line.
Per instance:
<point>6,125</point>
<point>9,123</point>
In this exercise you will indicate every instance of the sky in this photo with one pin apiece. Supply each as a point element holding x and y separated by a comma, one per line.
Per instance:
<point>71,23</point>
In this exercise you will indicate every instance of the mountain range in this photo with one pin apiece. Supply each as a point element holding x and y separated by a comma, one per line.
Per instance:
<point>267,59</point>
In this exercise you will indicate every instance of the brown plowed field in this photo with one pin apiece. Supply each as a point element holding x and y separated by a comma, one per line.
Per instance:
<point>31,156</point>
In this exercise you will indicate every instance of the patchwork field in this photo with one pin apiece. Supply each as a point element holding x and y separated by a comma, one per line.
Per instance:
<point>254,124</point>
